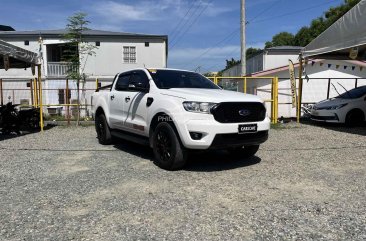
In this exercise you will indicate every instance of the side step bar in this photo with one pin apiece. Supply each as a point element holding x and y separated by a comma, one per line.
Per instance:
<point>142,140</point>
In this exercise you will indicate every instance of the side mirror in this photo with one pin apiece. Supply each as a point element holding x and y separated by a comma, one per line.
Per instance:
<point>138,86</point>
<point>364,98</point>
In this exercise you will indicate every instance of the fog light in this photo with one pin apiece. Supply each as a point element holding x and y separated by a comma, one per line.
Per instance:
<point>196,135</point>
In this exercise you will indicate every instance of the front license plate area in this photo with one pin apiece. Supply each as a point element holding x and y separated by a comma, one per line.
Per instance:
<point>250,128</point>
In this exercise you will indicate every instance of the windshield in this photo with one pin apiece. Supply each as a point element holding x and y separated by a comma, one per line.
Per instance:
<point>354,93</point>
<point>166,79</point>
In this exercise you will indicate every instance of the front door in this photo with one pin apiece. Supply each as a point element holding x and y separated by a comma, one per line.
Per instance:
<point>136,108</point>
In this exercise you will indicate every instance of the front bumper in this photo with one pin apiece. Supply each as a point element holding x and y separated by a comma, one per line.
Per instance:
<point>324,116</point>
<point>217,135</point>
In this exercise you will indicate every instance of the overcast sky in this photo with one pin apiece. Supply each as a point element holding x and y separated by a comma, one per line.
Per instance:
<point>201,32</point>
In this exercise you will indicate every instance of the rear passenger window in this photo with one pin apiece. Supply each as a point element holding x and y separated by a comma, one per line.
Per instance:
<point>122,82</point>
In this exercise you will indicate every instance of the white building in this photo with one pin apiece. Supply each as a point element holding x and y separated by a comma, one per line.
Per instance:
<point>268,59</point>
<point>115,52</point>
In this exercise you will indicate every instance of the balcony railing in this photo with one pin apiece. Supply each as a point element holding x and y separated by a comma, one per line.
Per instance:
<point>59,69</point>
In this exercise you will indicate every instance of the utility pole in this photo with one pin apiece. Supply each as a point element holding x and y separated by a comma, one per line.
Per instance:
<point>243,64</point>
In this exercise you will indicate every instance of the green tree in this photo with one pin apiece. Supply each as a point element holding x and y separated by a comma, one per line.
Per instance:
<point>231,62</point>
<point>308,33</point>
<point>281,39</point>
<point>77,52</point>
<point>251,52</point>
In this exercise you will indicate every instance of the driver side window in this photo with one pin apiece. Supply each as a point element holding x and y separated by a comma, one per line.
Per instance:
<point>140,77</point>
<point>122,82</point>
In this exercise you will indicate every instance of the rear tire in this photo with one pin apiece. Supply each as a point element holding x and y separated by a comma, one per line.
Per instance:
<point>168,151</point>
<point>355,118</point>
<point>244,151</point>
<point>103,132</point>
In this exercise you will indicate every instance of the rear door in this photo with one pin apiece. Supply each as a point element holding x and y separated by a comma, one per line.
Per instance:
<point>136,108</point>
<point>117,99</point>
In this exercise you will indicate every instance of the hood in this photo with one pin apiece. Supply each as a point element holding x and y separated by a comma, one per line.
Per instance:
<point>210,95</point>
<point>331,102</point>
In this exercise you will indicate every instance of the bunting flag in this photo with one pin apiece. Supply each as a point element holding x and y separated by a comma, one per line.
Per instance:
<point>353,67</point>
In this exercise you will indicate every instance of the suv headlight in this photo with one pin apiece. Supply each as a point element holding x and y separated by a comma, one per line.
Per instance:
<point>199,107</point>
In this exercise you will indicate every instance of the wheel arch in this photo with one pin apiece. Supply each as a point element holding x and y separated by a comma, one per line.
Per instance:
<point>158,118</point>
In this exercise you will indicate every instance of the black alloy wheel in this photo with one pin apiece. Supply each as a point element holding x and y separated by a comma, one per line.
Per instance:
<point>168,151</point>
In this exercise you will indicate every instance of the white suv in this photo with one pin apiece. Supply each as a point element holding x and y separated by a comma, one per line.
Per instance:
<point>174,111</point>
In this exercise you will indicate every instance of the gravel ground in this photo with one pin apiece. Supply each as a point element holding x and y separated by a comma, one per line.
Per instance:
<point>305,183</point>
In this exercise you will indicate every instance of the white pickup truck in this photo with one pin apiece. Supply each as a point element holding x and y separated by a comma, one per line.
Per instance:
<point>175,111</point>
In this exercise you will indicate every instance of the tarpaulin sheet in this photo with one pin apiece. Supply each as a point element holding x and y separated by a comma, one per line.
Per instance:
<point>14,57</point>
<point>346,33</point>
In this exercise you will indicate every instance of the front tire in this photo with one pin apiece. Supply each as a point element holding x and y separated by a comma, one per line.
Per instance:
<point>168,151</point>
<point>103,132</point>
<point>244,151</point>
<point>355,118</point>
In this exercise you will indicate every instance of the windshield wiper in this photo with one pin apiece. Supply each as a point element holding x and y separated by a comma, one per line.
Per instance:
<point>346,90</point>
<point>335,89</point>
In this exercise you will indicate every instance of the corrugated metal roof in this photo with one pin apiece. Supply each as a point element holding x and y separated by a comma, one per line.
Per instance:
<point>59,32</point>
<point>285,48</point>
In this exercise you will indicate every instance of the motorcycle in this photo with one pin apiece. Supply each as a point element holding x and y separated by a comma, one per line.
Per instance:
<point>11,120</point>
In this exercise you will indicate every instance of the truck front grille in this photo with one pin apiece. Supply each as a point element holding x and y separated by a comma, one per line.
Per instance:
<point>239,112</point>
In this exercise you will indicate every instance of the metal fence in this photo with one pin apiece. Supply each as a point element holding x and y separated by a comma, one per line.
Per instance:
<point>58,98</point>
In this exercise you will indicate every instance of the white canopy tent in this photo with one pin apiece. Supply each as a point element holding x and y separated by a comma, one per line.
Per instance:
<point>346,33</point>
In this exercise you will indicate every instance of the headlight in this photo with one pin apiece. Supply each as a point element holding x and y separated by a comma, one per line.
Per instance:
<point>332,107</point>
<point>199,107</point>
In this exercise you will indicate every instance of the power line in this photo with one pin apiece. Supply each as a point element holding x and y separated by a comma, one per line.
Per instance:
<point>176,33</point>
<point>293,12</point>
<point>227,38</point>
<point>181,20</point>
<point>193,22</point>
<point>265,10</point>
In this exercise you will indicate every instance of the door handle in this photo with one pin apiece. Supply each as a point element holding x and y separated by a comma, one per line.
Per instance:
<point>127,99</point>
<point>112,97</point>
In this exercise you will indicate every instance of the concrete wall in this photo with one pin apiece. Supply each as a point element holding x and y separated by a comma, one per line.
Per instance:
<point>275,60</point>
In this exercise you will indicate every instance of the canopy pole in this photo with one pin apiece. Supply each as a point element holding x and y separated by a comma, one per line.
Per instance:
<point>40,96</point>
<point>299,96</point>
<point>1,91</point>
<point>31,91</point>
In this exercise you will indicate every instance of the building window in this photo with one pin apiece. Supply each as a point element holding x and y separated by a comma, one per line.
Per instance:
<point>26,42</point>
<point>129,54</point>
<point>97,43</point>
<point>147,44</point>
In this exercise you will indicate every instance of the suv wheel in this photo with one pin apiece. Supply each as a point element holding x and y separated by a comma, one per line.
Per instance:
<point>103,132</point>
<point>168,151</point>
<point>244,151</point>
